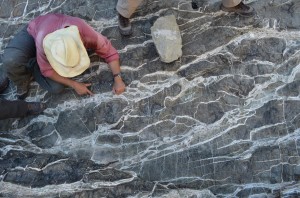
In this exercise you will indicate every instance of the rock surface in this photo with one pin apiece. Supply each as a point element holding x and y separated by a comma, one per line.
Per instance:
<point>167,39</point>
<point>224,118</point>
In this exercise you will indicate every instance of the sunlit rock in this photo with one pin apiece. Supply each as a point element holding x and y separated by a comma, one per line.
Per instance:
<point>167,39</point>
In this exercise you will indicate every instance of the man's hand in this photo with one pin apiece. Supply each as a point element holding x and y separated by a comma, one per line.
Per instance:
<point>119,86</point>
<point>82,88</point>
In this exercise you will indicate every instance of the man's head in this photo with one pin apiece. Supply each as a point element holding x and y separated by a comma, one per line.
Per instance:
<point>65,52</point>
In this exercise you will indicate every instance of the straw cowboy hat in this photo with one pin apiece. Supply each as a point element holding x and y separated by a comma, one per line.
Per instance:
<point>66,52</point>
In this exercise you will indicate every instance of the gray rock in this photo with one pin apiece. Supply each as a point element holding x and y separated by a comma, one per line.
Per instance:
<point>167,39</point>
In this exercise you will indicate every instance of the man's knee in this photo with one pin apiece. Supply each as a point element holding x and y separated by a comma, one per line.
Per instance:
<point>56,89</point>
<point>11,62</point>
<point>8,62</point>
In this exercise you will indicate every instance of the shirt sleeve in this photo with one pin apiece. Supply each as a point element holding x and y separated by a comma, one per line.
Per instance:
<point>95,41</point>
<point>45,67</point>
<point>33,29</point>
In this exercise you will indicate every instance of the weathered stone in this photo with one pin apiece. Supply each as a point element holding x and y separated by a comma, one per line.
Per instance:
<point>167,39</point>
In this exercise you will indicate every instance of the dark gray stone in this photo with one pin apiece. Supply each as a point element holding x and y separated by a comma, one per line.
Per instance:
<point>70,125</point>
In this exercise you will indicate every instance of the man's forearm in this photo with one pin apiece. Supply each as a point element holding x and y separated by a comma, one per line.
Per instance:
<point>115,66</point>
<point>80,88</point>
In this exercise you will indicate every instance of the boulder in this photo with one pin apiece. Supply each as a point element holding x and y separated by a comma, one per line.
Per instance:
<point>167,39</point>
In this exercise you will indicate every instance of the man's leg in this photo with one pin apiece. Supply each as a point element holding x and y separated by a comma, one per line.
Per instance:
<point>45,83</point>
<point>231,3</point>
<point>3,80</point>
<point>19,108</point>
<point>15,58</point>
<point>238,7</point>
<point>125,9</point>
<point>12,109</point>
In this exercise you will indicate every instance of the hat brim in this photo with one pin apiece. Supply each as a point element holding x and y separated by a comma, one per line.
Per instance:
<point>62,70</point>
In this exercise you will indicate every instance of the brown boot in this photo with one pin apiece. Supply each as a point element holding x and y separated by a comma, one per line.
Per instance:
<point>23,89</point>
<point>35,108</point>
<point>124,26</point>
<point>241,9</point>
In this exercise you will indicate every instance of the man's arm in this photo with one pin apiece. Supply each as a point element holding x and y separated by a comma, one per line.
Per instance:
<point>103,47</point>
<point>49,72</point>
<point>80,88</point>
<point>119,85</point>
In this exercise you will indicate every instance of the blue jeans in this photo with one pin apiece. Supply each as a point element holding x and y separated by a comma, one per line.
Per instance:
<point>12,109</point>
<point>19,61</point>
